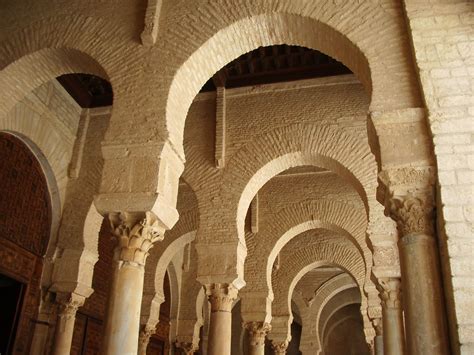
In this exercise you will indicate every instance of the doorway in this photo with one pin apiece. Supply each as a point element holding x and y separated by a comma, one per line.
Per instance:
<point>12,292</point>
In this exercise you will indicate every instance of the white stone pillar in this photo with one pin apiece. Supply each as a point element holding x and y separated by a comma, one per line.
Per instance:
<point>67,309</point>
<point>135,234</point>
<point>221,297</point>
<point>257,332</point>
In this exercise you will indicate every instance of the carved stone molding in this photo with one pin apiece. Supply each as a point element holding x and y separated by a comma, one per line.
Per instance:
<point>386,255</point>
<point>257,332</point>
<point>390,292</point>
<point>186,348</point>
<point>135,234</point>
<point>221,296</point>
<point>279,348</point>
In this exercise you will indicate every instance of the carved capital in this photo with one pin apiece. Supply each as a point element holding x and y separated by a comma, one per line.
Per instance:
<point>279,347</point>
<point>221,296</point>
<point>68,304</point>
<point>414,214</point>
<point>135,234</point>
<point>257,332</point>
<point>390,292</point>
<point>186,348</point>
<point>144,338</point>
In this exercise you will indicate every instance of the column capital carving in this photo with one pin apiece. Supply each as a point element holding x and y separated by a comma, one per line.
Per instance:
<point>257,332</point>
<point>187,348</point>
<point>414,214</point>
<point>221,296</point>
<point>408,196</point>
<point>135,234</point>
<point>68,304</point>
<point>144,337</point>
<point>390,292</point>
<point>279,347</point>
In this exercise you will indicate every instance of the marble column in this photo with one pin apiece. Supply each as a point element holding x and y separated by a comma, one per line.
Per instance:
<point>144,339</point>
<point>221,298</point>
<point>135,234</point>
<point>67,309</point>
<point>425,322</point>
<point>393,339</point>
<point>257,332</point>
<point>279,348</point>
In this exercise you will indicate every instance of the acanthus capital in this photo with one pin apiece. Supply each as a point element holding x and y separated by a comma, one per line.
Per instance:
<point>257,332</point>
<point>221,296</point>
<point>135,233</point>
<point>390,292</point>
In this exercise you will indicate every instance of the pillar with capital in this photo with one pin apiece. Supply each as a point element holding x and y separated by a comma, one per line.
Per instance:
<point>144,339</point>
<point>68,305</point>
<point>392,316</point>
<point>135,234</point>
<point>257,332</point>
<point>279,347</point>
<point>409,199</point>
<point>221,298</point>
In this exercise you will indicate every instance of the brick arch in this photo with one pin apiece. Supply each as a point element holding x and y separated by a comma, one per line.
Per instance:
<point>338,301</point>
<point>294,267</point>
<point>292,146</point>
<point>304,25</point>
<point>331,215</point>
<point>40,52</point>
<point>183,233</point>
<point>324,293</point>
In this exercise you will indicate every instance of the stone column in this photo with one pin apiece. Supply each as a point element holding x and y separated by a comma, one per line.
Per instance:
<point>378,339</point>
<point>393,339</point>
<point>421,276</point>
<point>221,297</point>
<point>186,348</point>
<point>67,308</point>
<point>279,348</point>
<point>257,332</point>
<point>135,234</point>
<point>144,339</point>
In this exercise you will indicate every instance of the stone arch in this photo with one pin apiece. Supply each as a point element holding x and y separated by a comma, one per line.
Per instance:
<point>303,25</point>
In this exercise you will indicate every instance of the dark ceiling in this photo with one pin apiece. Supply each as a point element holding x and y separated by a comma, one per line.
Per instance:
<point>262,66</point>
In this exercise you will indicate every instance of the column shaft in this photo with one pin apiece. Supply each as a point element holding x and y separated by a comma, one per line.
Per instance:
<point>257,332</point>
<point>68,305</point>
<point>221,297</point>
<point>378,345</point>
<point>393,342</point>
<point>123,317</point>
<point>423,300</point>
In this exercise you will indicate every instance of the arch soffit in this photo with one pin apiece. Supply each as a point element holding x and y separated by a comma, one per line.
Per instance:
<point>306,144</point>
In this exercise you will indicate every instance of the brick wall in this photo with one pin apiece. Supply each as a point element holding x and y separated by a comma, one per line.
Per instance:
<point>443,39</point>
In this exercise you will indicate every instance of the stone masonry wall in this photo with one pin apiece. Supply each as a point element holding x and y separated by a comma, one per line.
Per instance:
<point>443,39</point>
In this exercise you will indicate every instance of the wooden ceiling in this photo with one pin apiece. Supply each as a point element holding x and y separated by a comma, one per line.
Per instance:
<point>275,64</point>
<point>264,65</point>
